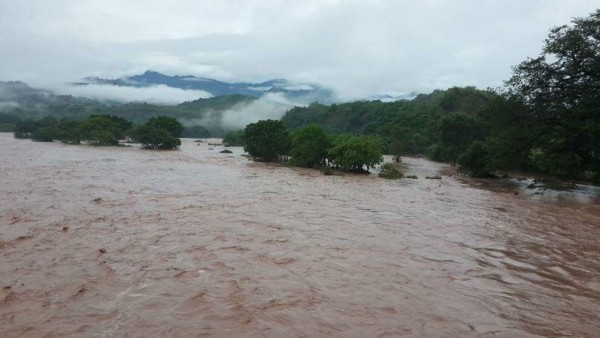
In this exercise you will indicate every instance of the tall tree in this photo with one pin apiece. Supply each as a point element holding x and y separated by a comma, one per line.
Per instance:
<point>561,89</point>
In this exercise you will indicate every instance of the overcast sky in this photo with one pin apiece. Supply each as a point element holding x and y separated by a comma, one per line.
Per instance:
<point>358,48</point>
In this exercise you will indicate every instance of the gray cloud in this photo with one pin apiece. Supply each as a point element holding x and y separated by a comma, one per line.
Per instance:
<point>358,48</point>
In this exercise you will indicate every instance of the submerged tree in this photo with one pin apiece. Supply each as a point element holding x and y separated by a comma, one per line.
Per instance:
<point>159,133</point>
<point>102,130</point>
<point>267,140</point>
<point>309,146</point>
<point>356,153</point>
<point>234,138</point>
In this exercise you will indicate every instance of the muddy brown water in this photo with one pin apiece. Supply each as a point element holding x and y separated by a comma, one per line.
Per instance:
<point>102,242</point>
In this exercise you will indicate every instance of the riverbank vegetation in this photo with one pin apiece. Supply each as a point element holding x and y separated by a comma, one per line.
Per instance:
<point>102,130</point>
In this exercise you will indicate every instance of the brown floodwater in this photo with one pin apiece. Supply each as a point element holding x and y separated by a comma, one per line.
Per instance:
<point>102,242</point>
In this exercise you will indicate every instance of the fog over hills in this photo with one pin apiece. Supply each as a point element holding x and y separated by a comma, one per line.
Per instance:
<point>299,93</point>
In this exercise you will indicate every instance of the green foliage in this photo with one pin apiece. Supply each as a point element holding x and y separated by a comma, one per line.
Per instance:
<point>43,130</point>
<point>196,132</point>
<point>267,140</point>
<point>388,171</point>
<point>436,152</point>
<point>156,138</point>
<point>96,130</point>
<point>309,146</point>
<point>474,161</point>
<point>26,128</point>
<point>67,131</point>
<point>44,134</point>
<point>559,89</point>
<point>456,132</point>
<point>159,133</point>
<point>235,138</point>
<point>592,176</point>
<point>169,124</point>
<point>101,130</point>
<point>559,163</point>
<point>8,122</point>
<point>355,153</point>
<point>406,127</point>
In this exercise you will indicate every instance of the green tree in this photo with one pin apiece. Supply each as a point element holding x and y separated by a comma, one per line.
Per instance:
<point>355,153</point>
<point>475,160</point>
<point>560,90</point>
<point>160,132</point>
<point>26,128</point>
<point>309,146</point>
<point>44,134</point>
<point>152,137</point>
<point>170,124</point>
<point>102,130</point>
<point>234,138</point>
<point>45,130</point>
<point>68,131</point>
<point>456,132</point>
<point>267,140</point>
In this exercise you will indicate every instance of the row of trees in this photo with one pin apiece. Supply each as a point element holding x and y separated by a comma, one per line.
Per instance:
<point>102,130</point>
<point>310,146</point>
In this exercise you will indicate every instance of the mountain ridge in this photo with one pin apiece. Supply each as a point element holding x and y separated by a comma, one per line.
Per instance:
<point>296,92</point>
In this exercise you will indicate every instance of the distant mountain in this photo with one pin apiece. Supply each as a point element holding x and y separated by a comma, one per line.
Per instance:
<point>22,100</point>
<point>15,94</point>
<point>296,92</point>
<point>215,115</point>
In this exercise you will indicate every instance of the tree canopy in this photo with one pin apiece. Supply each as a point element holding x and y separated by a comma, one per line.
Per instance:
<point>159,133</point>
<point>356,152</point>
<point>95,130</point>
<point>267,140</point>
<point>309,146</point>
<point>560,89</point>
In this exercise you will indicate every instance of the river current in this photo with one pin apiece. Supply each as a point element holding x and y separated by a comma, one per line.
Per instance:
<point>120,241</point>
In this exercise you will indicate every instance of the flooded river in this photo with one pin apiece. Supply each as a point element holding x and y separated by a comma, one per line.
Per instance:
<point>102,242</point>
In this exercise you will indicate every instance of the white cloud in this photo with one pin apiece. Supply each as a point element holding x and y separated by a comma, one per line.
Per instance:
<point>270,106</point>
<point>156,94</point>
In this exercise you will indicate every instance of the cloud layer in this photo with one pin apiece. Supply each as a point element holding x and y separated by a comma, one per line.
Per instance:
<point>159,94</point>
<point>269,106</point>
<point>359,48</point>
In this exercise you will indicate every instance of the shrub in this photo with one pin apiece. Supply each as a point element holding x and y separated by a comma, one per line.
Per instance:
<point>388,171</point>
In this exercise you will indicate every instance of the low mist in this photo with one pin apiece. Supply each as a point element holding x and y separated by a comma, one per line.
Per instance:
<point>270,106</point>
<point>159,94</point>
